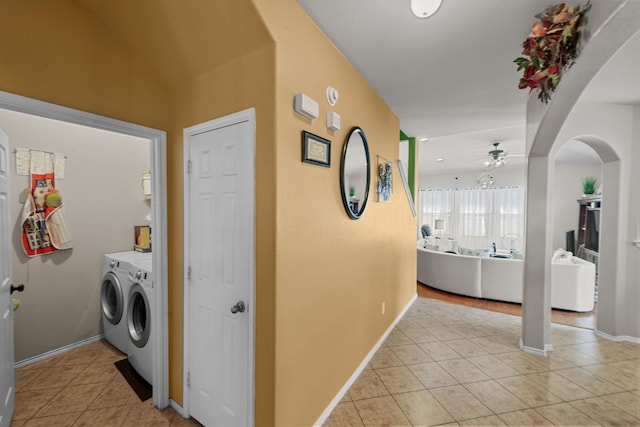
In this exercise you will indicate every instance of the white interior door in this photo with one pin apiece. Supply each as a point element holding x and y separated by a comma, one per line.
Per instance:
<point>220,262</point>
<point>7,371</point>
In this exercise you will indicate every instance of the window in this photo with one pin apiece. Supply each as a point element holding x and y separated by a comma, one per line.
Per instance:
<point>476,217</point>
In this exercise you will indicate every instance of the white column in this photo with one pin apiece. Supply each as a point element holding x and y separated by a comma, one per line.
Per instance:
<point>536,310</point>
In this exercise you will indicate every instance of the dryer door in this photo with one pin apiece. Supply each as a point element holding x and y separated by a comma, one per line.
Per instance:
<point>139,316</point>
<point>112,298</point>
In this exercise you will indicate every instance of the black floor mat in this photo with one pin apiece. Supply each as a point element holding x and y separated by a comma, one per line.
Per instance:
<point>138,384</point>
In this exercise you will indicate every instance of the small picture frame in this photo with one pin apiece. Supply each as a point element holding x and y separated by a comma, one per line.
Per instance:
<point>316,150</point>
<point>385,179</point>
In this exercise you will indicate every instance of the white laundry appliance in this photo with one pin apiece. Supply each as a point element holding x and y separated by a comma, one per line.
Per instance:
<point>113,296</point>
<point>139,308</point>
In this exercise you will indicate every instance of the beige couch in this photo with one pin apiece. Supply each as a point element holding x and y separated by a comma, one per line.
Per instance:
<point>502,279</point>
<point>459,274</point>
<point>479,277</point>
<point>572,283</point>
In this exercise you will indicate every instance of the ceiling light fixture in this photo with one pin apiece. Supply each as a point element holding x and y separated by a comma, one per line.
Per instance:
<point>495,163</point>
<point>440,159</point>
<point>497,159</point>
<point>425,8</point>
<point>485,180</point>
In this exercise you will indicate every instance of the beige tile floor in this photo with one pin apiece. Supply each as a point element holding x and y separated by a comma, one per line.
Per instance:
<point>445,364</point>
<point>83,388</point>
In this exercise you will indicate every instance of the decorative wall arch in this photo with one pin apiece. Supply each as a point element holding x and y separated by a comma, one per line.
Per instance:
<point>547,120</point>
<point>544,125</point>
<point>605,151</point>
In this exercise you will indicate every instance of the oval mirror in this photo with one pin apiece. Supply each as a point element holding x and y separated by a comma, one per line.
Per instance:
<point>354,173</point>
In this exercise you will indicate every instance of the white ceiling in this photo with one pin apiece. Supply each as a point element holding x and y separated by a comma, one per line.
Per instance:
<point>451,77</point>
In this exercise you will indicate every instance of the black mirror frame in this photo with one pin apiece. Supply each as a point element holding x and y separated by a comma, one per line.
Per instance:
<point>345,201</point>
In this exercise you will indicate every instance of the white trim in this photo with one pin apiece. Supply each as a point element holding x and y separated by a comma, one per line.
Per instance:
<point>617,338</point>
<point>320,421</point>
<point>247,115</point>
<point>535,351</point>
<point>179,409</point>
<point>56,352</point>
<point>186,256</point>
<point>158,143</point>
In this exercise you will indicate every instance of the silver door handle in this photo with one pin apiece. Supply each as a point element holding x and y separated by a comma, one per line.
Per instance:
<point>238,308</point>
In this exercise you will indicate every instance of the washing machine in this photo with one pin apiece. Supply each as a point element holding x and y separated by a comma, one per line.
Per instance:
<point>113,296</point>
<point>139,308</point>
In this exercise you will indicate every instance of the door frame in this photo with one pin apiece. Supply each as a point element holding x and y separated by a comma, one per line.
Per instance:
<point>8,394</point>
<point>229,120</point>
<point>158,145</point>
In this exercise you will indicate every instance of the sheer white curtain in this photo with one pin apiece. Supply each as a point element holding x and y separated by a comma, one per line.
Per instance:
<point>436,204</point>
<point>477,218</point>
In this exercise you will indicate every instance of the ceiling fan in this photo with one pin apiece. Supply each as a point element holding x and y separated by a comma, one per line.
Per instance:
<point>497,157</point>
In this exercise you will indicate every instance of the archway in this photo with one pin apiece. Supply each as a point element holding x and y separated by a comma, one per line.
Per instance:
<point>606,253</point>
<point>547,123</point>
<point>572,209</point>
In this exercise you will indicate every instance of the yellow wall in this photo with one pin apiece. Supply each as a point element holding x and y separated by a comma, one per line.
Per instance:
<point>234,86</point>
<point>332,273</point>
<point>321,277</point>
<point>152,63</point>
<point>55,51</point>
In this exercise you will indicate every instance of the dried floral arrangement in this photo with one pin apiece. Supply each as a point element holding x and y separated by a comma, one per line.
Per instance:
<point>551,48</point>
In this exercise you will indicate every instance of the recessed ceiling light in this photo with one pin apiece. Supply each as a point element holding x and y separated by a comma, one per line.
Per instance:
<point>424,139</point>
<point>440,159</point>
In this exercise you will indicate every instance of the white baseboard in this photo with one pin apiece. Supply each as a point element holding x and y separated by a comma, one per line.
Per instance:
<point>535,351</point>
<point>363,365</point>
<point>57,351</point>
<point>617,338</point>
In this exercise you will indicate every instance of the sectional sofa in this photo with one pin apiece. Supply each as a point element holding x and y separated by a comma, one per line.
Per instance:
<point>572,282</point>
<point>474,276</point>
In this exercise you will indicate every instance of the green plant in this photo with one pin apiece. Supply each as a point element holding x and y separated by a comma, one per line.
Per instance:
<point>352,192</point>
<point>589,185</point>
<point>551,48</point>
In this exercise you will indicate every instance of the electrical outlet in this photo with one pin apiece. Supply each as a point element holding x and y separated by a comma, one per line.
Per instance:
<point>384,307</point>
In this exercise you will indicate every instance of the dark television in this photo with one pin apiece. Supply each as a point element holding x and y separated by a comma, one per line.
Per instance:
<point>570,241</point>
<point>593,229</point>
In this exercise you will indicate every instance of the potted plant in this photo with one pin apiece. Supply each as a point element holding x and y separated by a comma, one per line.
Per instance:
<point>589,185</point>
<point>352,192</point>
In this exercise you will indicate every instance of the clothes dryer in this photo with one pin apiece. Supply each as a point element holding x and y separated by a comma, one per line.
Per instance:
<point>139,324</point>
<point>113,297</point>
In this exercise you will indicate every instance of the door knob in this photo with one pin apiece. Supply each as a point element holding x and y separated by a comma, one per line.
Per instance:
<point>18,288</point>
<point>238,308</point>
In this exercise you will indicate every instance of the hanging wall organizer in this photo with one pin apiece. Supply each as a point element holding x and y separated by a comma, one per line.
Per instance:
<point>44,228</point>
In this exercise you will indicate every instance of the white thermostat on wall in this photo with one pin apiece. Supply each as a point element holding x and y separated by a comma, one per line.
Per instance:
<point>305,106</point>
<point>332,95</point>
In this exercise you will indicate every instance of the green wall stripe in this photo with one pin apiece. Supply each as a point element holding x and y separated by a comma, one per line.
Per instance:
<point>412,167</point>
